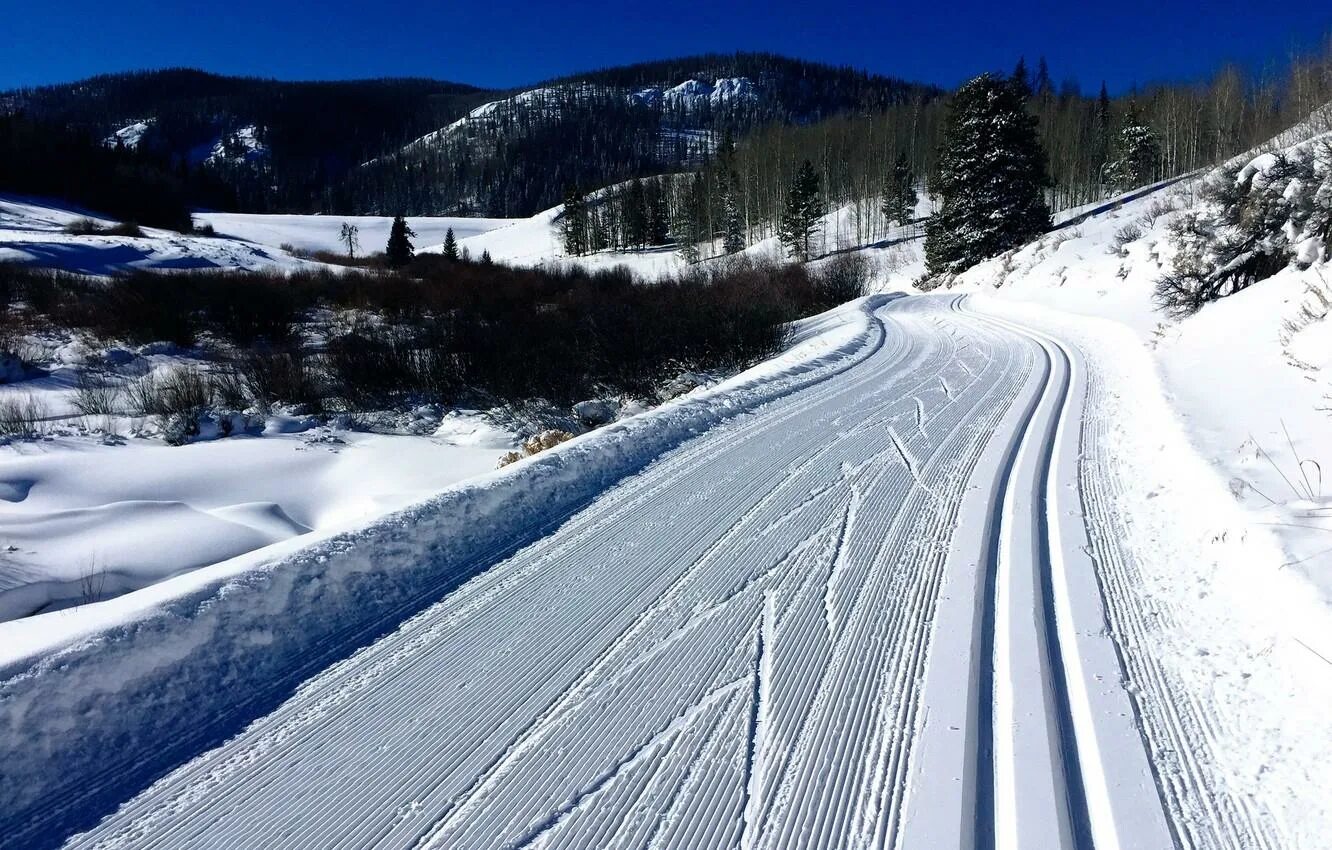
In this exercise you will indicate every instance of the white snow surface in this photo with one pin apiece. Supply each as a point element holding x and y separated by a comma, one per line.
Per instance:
<point>32,232</point>
<point>320,232</point>
<point>130,135</point>
<point>905,586</point>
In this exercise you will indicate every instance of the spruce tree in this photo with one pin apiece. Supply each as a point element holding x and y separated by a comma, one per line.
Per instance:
<point>1103,131</point>
<point>733,229</point>
<point>450,246</point>
<point>728,191</point>
<point>990,180</point>
<point>1137,154</point>
<point>574,223</point>
<point>691,221</point>
<point>657,215</point>
<point>802,212</point>
<point>636,215</point>
<point>399,250</point>
<point>899,196</point>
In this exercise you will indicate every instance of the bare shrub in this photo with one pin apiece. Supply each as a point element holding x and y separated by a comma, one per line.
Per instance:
<point>177,399</point>
<point>22,415</point>
<point>841,279</point>
<point>92,583</point>
<point>83,227</point>
<point>94,394</point>
<point>89,227</point>
<point>278,377</point>
<point>1156,209</point>
<point>536,444</point>
<point>1130,232</point>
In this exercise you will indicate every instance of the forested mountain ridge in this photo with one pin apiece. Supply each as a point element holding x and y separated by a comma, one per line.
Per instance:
<point>518,155</point>
<point>309,133</point>
<point>348,146</point>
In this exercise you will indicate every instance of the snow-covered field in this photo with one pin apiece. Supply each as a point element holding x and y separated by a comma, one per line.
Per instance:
<point>84,519</point>
<point>320,233</point>
<point>33,231</point>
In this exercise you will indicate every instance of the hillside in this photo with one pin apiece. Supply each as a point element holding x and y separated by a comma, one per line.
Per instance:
<point>273,145</point>
<point>429,147</point>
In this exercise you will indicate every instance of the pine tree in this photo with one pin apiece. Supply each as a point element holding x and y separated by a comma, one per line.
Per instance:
<point>636,215</point>
<point>1022,77</point>
<point>1043,84</point>
<point>802,212</point>
<point>691,221</point>
<point>399,250</point>
<point>485,258</point>
<point>657,215</point>
<point>733,229</point>
<point>1137,154</point>
<point>574,223</point>
<point>991,176</point>
<point>1103,133</point>
<point>899,196</point>
<point>450,246</point>
<point>728,190</point>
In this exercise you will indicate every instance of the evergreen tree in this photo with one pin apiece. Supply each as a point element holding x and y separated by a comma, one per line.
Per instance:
<point>802,212</point>
<point>1103,132</point>
<point>485,257</point>
<point>991,175</point>
<point>728,191</point>
<point>657,215</point>
<point>691,221</point>
<point>899,197</point>
<point>450,246</point>
<point>1137,154</point>
<point>733,229</point>
<point>1022,77</point>
<point>399,250</point>
<point>636,215</point>
<point>1043,84</point>
<point>574,223</point>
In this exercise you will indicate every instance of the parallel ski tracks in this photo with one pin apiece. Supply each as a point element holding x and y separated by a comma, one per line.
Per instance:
<point>848,618</point>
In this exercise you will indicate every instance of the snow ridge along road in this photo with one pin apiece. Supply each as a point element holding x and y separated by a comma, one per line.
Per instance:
<point>867,612</point>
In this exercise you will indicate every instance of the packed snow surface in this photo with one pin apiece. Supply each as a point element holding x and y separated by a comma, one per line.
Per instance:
<point>900,587</point>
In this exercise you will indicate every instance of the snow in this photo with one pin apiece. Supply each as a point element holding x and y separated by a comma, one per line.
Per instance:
<point>131,513</point>
<point>241,146</point>
<point>320,233</point>
<point>129,135</point>
<point>1023,558</point>
<point>32,231</point>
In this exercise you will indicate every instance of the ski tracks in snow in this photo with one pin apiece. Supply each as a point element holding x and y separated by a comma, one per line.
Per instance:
<point>881,611</point>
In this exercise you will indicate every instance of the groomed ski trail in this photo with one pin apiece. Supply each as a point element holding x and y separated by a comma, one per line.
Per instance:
<point>867,614</point>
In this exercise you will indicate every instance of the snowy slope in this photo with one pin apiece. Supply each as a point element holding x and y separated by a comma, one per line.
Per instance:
<point>32,231</point>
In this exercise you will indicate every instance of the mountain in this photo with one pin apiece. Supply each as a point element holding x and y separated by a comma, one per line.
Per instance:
<point>520,154</point>
<point>273,145</point>
<point>427,147</point>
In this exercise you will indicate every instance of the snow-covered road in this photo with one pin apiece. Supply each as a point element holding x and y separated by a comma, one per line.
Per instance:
<point>891,608</point>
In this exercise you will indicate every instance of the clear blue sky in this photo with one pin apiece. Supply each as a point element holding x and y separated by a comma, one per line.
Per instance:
<point>505,43</point>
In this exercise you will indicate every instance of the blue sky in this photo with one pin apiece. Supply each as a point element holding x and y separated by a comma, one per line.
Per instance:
<point>510,42</point>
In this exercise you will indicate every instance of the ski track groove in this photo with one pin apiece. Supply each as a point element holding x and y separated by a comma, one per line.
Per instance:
<point>731,647</point>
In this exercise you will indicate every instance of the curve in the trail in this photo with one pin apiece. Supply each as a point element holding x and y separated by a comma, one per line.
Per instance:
<point>860,614</point>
